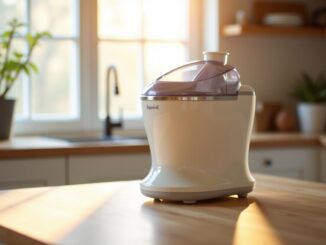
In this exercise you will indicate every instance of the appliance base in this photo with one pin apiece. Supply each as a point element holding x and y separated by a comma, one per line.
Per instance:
<point>193,197</point>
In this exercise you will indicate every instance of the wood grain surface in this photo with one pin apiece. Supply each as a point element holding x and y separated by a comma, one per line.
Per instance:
<point>30,147</point>
<point>278,211</point>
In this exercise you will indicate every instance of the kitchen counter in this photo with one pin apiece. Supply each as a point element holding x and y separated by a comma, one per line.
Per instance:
<point>22,147</point>
<point>275,140</point>
<point>278,211</point>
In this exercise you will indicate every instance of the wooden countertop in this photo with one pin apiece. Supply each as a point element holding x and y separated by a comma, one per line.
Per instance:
<point>278,211</point>
<point>274,140</point>
<point>24,147</point>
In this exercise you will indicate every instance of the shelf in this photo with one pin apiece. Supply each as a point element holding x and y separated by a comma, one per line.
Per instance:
<point>246,30</point>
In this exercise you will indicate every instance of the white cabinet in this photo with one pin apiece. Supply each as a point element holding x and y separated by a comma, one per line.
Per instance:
<point>111,167</point>
<point>323,166</point>
<point>31,172</point>
<point>298,163</point>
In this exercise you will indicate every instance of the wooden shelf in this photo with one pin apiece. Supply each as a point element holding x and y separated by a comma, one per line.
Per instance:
<point>261,30</point>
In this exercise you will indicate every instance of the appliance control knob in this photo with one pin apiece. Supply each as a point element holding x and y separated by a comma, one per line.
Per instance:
<point>267,162</point>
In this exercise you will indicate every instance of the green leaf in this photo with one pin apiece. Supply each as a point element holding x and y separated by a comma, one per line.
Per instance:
<point>8,78</point>
<point>30,39</point>
<point>309,89</point>
<point>10,65</point>
<point>15,23</point>
<point>5,45</point>
<point>33,67</point>
<point>13,65</point>
<point>46,34</point>
<point>26,70</point>
<point>18,55</point>
<point>6,34</point>
<point>15,62</point>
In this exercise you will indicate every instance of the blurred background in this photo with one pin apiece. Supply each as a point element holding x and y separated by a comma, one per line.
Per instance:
<point>146,38</point>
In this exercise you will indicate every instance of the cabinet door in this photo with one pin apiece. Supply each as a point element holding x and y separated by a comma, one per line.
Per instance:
<point>297,163</point>
<point>113,167</point>
<point>31,172</point>
<point>323,166</point>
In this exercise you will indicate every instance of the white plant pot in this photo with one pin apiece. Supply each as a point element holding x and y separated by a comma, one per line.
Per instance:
<point>312,117</point>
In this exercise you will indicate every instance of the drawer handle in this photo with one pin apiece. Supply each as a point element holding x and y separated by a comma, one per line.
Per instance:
<point>267,162</point>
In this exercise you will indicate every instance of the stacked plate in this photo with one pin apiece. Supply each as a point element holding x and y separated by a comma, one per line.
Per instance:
<point>283,19</point>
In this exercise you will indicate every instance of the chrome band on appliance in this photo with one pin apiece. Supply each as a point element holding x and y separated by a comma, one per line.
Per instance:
<point>196,98</point>
<point>189,98</point>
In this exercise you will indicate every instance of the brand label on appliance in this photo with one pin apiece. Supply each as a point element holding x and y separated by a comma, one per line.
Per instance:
<point>152,107</point>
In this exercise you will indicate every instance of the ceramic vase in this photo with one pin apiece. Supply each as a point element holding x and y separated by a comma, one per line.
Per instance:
<point>312,117</point>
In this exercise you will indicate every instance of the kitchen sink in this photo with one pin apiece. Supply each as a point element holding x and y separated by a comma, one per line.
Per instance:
<point>94,139</point>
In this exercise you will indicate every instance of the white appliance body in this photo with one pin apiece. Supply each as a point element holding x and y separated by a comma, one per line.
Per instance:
<point>199,147</point>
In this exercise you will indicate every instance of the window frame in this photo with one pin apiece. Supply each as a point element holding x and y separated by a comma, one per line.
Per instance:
<point>87,73</point>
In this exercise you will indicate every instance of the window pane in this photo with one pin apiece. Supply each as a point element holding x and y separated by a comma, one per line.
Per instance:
<point>57,17</point>
<point>166,19</point>
<point>162,57</point>
<point>54,89</point>
<point>126,58</point>
<point>10,9</point>
<point>119,19</point>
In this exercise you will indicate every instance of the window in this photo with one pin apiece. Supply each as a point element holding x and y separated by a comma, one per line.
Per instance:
<point>142,38</point>
<point>52,94</point>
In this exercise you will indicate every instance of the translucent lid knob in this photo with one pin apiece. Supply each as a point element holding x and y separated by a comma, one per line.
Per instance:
<point>217,56</point>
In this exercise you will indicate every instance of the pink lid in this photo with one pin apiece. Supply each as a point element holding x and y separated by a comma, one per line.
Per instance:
<point>199,78</point>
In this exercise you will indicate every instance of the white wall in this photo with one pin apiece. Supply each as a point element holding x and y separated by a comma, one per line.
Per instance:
<point>271,64</point>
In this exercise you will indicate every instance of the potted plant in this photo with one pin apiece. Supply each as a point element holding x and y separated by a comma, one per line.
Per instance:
<point>12,64</point>
<point>312,106</point>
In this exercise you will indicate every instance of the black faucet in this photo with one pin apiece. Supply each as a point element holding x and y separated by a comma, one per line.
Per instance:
<point>109,125</point>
